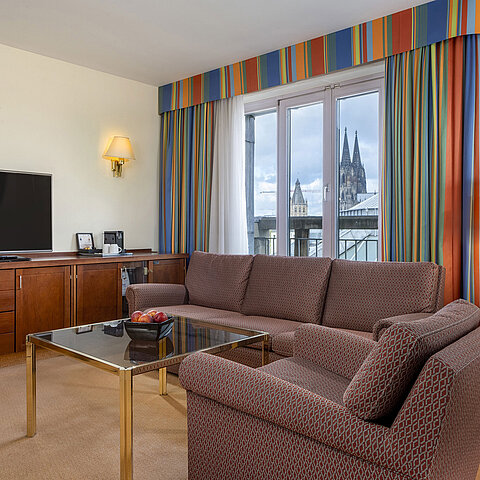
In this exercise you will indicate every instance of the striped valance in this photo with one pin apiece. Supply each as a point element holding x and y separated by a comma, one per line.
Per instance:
<point>412,28</point>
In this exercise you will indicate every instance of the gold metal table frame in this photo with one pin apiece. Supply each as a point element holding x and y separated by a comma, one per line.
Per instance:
<point>126,379</point>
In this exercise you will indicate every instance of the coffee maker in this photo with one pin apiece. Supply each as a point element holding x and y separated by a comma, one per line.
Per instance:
<point>115,237</point>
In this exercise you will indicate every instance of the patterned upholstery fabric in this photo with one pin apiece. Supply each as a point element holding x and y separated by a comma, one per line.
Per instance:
<point>287,287</point>
<point>228,444</point>
<point>441,289</point>
<point>309,376</point>
<point>455,393</point>
<point>382,382</point>
<point>377,290</point>
<point>367,335</point>
<point>143,296</point>
<point>435,435</point>
<point>246,424</point>
<point>199,313</point>
<point>283,343</point>
<point>340,352</point>
<point>274,400</point>
<point>218,281</point>
<point>380,327</point>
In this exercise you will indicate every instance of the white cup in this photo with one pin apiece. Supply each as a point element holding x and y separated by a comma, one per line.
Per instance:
<point>114,248</point>
<point>106,248</point>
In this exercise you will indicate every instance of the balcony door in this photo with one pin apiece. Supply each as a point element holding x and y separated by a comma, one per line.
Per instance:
<point>301,173</point>
<point>357,120</point>
<point>312,173</point>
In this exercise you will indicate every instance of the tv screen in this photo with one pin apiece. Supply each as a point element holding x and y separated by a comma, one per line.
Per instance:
<point>25,212</point>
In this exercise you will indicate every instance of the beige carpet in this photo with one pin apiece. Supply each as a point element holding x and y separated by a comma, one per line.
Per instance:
<point>78,424</point>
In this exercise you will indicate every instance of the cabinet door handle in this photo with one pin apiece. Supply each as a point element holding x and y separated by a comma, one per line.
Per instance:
<point>19,282</point>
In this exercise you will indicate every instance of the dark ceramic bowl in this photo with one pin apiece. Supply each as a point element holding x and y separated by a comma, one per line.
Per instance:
<point>139,352</point>
<point>148,332</point>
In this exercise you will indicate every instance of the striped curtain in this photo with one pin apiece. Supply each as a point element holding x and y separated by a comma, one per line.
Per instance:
<point>431,175</point>
<point>186,138</point>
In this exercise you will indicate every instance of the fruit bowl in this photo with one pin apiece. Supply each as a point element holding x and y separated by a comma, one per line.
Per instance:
<point>145,332</point>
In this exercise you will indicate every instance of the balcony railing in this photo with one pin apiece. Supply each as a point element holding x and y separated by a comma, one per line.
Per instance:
<point>265,245</point>
<point>364,249</point>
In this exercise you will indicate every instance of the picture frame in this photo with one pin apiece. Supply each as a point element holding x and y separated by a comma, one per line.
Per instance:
<point>85,241</point>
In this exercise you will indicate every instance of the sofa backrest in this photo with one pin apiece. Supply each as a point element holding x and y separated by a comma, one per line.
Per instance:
<point>292,288</point>
<point>436,431</point>
<point>360,293</point>
<point>383,381</point>
<point>218,281</point>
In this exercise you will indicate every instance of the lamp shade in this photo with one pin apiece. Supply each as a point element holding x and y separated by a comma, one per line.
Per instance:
<point>119,148</point>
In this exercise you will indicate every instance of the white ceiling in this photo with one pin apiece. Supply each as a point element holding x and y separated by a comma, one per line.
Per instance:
<point>159,41</point>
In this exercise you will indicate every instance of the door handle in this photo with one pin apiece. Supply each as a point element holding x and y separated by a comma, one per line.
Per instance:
<point>19,282</point>
<point>326,189</point>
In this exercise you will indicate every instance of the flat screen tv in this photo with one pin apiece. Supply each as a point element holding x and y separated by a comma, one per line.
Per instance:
<point>25,212</point>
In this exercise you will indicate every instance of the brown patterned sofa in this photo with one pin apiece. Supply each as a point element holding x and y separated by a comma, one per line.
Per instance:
<point>279,294</point>
<point>343,407</point>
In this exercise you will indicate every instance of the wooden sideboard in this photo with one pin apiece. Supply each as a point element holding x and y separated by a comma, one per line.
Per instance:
<point>61,290</point>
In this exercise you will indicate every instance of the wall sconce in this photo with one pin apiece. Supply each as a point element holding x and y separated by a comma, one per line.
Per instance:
<point>119,151</point>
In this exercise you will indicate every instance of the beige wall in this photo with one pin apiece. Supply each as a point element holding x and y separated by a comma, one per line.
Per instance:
<point>57,118</point>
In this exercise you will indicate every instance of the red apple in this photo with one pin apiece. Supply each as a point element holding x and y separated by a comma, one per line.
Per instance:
<point>160,317</point>
<point>152,313</point>
<point>136,315</point>
<point>145,319</point>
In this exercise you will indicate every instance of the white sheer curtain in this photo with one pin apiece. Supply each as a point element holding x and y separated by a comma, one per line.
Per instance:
<point>228,216</point>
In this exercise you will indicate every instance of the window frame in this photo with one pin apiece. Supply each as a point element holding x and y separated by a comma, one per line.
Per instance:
<point>345,91</point>
<point>328,95</point>
<point>284,163</point>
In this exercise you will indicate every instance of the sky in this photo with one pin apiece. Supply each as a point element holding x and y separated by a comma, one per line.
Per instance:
<point>356,113</point>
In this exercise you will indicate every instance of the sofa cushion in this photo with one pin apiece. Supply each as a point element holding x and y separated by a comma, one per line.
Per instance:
<point>384,379</point>
<point>218,281</point>
<point>197,312</point>
<point>380,326</point>
<point>310,376</point>
<point>368,335</point>
<point>287,287</point>
<point>273,326</point>
<point>283,343</point>
<point>360,293</point>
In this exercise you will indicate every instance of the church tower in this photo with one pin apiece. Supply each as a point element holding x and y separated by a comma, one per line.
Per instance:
<point>358,168</point>
<point>298,204</point>
<point>352,175</point>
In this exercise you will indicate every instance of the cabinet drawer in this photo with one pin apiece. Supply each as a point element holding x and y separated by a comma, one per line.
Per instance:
<point>7,343</point>
<point>7,280</point>
<point>7,322</point>
<point>7,300</point>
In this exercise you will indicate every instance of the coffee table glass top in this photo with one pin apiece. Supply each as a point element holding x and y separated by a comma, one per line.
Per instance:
<point>109,346</point>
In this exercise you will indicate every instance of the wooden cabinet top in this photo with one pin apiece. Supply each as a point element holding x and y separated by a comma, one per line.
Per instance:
<point>57,259</point>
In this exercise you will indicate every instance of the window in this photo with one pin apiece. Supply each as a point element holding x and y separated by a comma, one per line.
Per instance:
<point>305,163</point>
<point>312,172</point>
<point>261,181</point>
<point>358,168</point>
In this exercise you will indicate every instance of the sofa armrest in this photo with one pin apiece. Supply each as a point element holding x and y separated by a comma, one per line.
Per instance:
<point>274,400</point>
<point>441,288</point>
<point>382,324</point>
<point>144,295</point>
<point>340,352</point>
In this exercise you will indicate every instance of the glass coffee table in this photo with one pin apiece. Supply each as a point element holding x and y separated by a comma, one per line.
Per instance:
<point>107,346</point>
